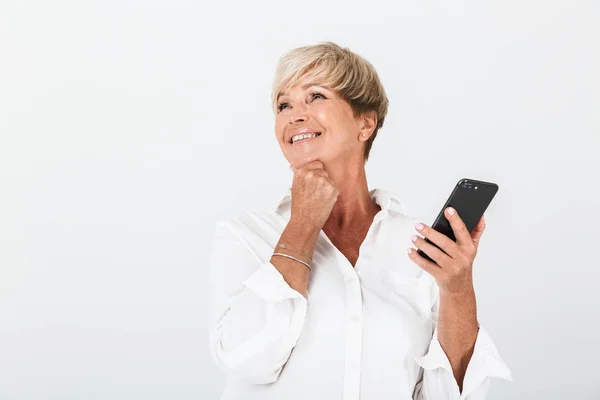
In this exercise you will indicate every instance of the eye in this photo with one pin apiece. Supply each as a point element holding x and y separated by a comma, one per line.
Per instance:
<point>315,94</point>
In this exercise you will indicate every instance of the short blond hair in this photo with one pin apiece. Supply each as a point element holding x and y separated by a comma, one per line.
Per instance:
<point>346,73</point>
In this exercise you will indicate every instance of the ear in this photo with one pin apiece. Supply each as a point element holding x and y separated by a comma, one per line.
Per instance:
<point>368,122</point>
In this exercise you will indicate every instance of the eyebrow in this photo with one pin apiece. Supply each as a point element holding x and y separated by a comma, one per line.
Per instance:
<point>304,87</point>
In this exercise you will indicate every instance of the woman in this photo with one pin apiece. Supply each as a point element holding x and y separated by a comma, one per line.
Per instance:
<point>319,297</point>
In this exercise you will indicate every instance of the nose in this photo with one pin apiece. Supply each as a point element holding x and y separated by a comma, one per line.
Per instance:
<point>297,120</point>
<point>299,116</point>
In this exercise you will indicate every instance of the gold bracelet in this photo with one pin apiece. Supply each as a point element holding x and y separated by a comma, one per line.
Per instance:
<point>285,246</point>
<point>293,258</point>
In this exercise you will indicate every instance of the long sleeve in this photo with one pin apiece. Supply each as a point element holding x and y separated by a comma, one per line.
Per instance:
<point>437,381</point>
<point>255,316</point>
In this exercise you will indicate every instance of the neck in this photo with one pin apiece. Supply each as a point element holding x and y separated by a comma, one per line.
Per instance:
<point>354,204</point>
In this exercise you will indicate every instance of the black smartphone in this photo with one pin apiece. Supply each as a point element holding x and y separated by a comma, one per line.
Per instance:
<point>470,199</point>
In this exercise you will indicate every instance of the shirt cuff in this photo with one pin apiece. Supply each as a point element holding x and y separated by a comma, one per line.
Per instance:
<point>268,283</point>
<point>485,362</point>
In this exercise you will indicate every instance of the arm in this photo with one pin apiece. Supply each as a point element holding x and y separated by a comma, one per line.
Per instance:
<point>457,330</point>
<point>301,237</point>
<point>257,306</point>
<point>461,355</point>
<point>437,380</point>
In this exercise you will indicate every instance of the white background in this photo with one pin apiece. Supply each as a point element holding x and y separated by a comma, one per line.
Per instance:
<point>128,128</point>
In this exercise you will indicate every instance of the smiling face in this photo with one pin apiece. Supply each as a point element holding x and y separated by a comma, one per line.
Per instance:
<point>308,107</point>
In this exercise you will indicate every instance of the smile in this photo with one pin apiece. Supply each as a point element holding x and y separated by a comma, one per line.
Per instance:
<point>304,136</point>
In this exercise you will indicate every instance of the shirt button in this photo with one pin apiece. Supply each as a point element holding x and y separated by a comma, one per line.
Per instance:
<point>355,318</point>
<point>351,279</point>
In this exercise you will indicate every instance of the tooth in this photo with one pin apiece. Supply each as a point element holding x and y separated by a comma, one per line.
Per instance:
<point>303,136</point>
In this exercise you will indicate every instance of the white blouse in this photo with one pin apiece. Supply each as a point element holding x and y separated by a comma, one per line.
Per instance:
<point>368,332</point>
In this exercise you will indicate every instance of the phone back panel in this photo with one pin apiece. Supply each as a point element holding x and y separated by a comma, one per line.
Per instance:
<point>470,203</point>
<point>470,198</point>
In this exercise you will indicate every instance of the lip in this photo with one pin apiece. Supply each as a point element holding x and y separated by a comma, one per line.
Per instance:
<point>300,132</point>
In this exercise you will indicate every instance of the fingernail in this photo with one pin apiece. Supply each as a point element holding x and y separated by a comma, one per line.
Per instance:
<point>409,251</point>
<point>413,238</point>
<point>450,210</point>
<point>419,226</point>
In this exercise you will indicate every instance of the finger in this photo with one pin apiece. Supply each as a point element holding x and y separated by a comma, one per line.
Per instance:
<point>433,252</point>
<point>478,231</point>
<point>442,241</point>
<point>312,174</point>
<point>312,170</point>
<point>458,226</point>
<point>315,173</point>
<point>427,265</point>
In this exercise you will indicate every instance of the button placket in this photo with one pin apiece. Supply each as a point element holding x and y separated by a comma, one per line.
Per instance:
<point>353,291</point>
<point>354,337</point>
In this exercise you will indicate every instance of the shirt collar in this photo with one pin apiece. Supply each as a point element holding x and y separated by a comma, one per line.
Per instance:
<point>384,198</point>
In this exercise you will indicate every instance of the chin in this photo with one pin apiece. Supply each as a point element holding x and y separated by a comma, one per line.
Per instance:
<point>299,162</point>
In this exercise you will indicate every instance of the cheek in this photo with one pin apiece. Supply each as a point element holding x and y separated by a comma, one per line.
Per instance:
<point>279,128</point>
<point>327,119</point>
<point>334,118</point>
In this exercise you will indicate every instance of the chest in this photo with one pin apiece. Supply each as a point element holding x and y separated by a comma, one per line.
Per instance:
<point>349,250</point>
<point>348,246</point>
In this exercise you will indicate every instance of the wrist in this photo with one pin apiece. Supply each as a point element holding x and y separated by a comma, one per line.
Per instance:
<point>300,237</point>
<point>466,295</point>
<point>463,301</point>
<point>304,227</point>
